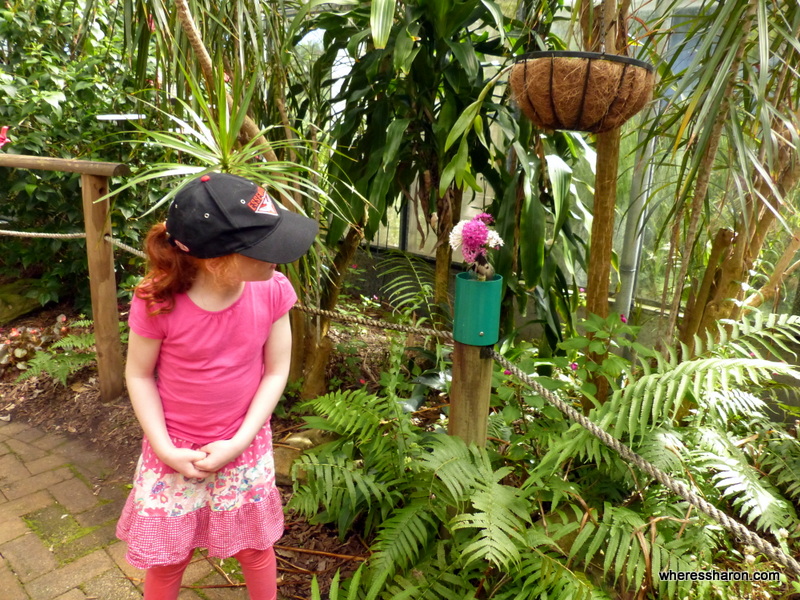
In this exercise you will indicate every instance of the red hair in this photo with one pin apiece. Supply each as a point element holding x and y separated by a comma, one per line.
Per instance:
<point>171,271</point>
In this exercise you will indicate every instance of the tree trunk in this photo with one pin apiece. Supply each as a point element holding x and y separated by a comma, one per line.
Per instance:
<point>449,213</point>
<point>730,275</point>
<point>318,345</point>
<point>605,195</point>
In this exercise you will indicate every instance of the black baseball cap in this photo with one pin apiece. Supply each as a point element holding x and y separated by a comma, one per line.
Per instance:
<point>219,214</point>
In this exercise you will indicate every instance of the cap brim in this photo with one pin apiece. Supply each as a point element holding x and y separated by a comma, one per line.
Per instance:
<point>287,242</point>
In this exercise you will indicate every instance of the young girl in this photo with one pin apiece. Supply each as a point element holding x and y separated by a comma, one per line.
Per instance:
<point>208,360</point>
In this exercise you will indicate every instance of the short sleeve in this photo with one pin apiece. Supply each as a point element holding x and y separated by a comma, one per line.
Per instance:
<point>284,296</point>
<point>143,324</point>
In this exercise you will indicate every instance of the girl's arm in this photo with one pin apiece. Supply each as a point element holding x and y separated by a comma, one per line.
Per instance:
<point>139,375</point>
<point>277,359</point>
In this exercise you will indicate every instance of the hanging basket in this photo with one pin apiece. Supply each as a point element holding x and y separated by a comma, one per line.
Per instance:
<point>580,91</point>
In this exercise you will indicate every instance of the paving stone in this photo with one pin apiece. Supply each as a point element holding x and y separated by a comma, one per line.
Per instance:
<point>50,441</point>
<point>89,462</point>
<point>101,514</point>
<point>12,588</point>
<point>9,430</point>
<point>74,495</point>
<point>25,451</point>
<point>197,570</point>
<point>29,557</point>
<point>25,504</point>
<point>117,553</point>
<point>42,481</point>
<point>111,584</point>
<point>12,528</point>
<point>65,537</point>
<point>75,594</point>
<point>94,540</point>
<point>29,435</point>
<point>4,449</point>
<point>66,578</point>
<point>46,463</point>
<point>12,469</point>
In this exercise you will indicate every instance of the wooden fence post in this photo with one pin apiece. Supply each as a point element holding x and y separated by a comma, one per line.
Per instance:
<point>102,285</point>
<point>470,392</point>
<point>100,255</point>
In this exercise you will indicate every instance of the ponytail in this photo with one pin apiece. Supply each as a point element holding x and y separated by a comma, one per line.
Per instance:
<point>169,272</point>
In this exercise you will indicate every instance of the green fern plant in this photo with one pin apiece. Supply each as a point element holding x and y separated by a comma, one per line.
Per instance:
<point>67,355</point>
<point>550,511</point>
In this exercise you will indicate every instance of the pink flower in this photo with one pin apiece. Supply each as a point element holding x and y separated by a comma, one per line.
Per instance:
<point>623,319</point>
<point>3,138</point>
<point>473,237</point>
<point>573,366</point>
<point>506,372</point>
<point>362,381</point>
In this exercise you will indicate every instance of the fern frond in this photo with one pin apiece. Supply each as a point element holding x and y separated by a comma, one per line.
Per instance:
<point>451,464</point>
<point>663,448</point>
<point>75,341</point>
<point>353,414</point>
<point>726,404</point>
<point>543,573</point>
<point>57,366</point>
<point>756,500</point>
<point>410,283</point>
<point>654,399</point>
<point>499,515</point>
<point>442,576</point>
<point>780,460</point>
<point>755,335</point>
<point>339,485</point>
<point>401,541</point>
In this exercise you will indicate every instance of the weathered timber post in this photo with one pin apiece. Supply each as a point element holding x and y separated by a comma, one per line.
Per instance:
<point>476,324</point>
<point>100,256</point>
<point>470,392</point>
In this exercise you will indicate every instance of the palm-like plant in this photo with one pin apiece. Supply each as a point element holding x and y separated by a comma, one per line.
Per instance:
<point>730,128</point>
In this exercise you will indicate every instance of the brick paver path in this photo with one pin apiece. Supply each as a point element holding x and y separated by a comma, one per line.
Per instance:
<point>59,503</point>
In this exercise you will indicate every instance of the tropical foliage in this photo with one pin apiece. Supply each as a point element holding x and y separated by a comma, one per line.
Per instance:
<point>547,509</point>
<point>57,77</point>
<point>352,111</point>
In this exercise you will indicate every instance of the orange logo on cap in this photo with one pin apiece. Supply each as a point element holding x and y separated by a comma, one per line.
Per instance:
<point>262,204</point>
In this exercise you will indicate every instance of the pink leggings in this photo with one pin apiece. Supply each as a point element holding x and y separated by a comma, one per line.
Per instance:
<point>258,566</point>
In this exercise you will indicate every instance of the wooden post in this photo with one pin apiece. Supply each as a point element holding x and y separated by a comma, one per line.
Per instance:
<point>102,281</point>
<point>470,392</point>
<point>102,285</point>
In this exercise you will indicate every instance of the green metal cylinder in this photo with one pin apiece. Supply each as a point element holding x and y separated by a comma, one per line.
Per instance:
<point>476,318</point>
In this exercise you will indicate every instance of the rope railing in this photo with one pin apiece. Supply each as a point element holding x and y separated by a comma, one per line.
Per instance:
<point>677,487</point>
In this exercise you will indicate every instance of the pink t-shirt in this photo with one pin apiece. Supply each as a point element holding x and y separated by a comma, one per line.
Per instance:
<point>211,363</point>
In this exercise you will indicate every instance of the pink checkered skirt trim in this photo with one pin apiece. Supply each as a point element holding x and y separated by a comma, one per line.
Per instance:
<point>168,515</point>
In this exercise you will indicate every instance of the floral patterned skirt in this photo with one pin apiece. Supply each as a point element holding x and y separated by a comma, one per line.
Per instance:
<point>168,515</point>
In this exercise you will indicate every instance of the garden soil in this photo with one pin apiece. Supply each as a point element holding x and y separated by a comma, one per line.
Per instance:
<point>305,551</point>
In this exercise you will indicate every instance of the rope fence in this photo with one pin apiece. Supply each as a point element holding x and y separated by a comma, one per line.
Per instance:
<point>677,487</point>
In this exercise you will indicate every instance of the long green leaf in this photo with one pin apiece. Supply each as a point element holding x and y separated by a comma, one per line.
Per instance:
<point>380,20</point>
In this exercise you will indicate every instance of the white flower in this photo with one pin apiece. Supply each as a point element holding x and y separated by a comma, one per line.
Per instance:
<point>494,240</point>
<point>455,235</point>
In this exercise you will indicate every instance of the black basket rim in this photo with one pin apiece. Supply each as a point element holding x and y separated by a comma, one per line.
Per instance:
<point>589,55</point>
